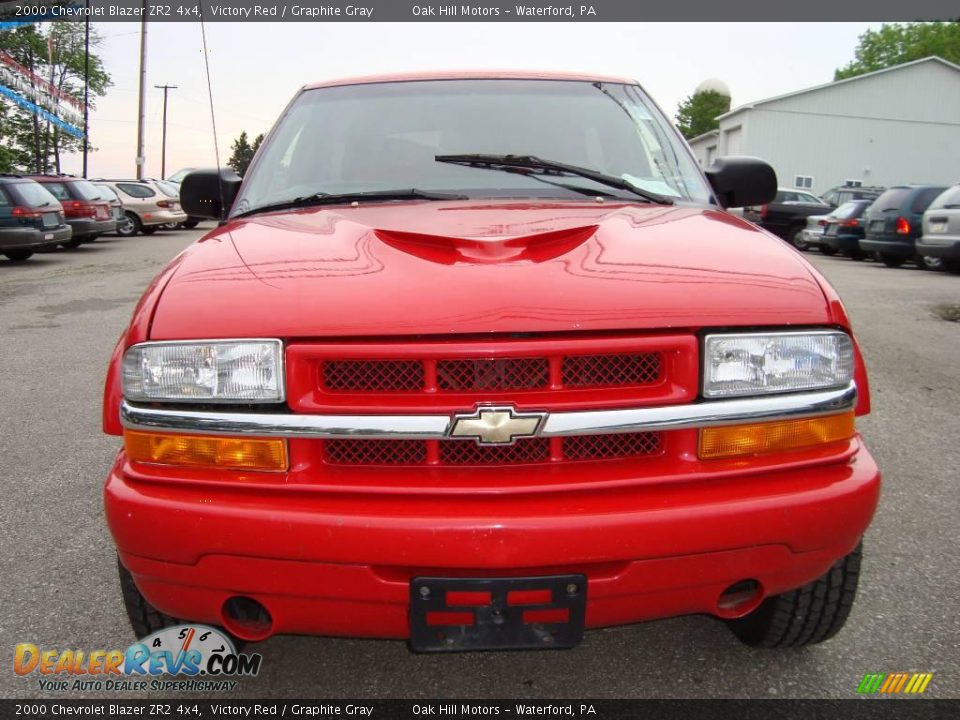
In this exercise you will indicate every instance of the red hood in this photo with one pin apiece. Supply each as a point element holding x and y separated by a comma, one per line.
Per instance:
<point>468,267</point>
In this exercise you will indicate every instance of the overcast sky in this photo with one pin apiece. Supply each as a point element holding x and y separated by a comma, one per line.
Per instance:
<point>257,67</point>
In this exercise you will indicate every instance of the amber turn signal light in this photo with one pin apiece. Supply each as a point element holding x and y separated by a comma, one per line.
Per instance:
<point>228,453</point>
<point>769,437</point>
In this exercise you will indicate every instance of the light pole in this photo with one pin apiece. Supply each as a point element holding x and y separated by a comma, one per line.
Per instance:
<point>143,91</point>
<point>163,151</point>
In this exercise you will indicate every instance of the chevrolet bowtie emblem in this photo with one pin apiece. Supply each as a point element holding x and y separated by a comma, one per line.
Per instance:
<point>497,425</point>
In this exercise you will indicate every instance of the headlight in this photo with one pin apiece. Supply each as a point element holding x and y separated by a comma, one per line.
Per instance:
<point>213,371</point>
<point>761,364</point>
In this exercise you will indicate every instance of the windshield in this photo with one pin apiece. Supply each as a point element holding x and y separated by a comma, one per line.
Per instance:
<point>107,192</point>
<point>33,194</point>
<point>950,198</point>
<point>385,136</point>
<point>167,189</point>
<point>87,190</point>
<point>850,210</point>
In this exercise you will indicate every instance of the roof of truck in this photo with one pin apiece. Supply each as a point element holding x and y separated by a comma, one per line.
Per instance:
<point>469,75</point>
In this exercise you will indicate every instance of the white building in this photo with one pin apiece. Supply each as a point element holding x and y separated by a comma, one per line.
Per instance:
<point>893,126</point>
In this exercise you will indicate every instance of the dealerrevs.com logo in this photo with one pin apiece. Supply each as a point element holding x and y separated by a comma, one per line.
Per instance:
<point>205,656</point>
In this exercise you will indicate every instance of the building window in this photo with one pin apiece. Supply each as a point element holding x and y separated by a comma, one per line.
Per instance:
<point>803,181</point>
<point>852,183</point>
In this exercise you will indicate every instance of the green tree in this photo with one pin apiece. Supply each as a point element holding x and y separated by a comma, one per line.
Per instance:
<point>698,113</point>
<point>243,152</point>
<point>897,43</point>
<point>36,144</point>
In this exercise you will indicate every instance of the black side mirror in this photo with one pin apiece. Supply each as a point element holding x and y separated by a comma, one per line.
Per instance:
<point>209,193</point>
<point>742,181</point>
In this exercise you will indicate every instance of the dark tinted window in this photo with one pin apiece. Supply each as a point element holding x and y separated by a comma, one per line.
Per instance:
<point>31,194</point>
<point>86,190</point>
<point>892,199</point>
<point>136,190</point>
<point>58,190</point>
<point>849,210</point>
<point>949,199</point>
<point>923,199</point>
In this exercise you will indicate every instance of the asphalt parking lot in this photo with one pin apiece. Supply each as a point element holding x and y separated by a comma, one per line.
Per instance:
<point>61,312</point>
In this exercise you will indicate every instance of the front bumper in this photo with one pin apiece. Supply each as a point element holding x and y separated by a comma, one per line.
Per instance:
<point>340,563</point>
<point>28,238</point>
<point>949,249</point>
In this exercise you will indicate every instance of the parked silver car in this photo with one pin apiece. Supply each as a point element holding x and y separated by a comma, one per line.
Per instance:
<point>941,229</point>
<point>812,233</point>
<point>146,205</point>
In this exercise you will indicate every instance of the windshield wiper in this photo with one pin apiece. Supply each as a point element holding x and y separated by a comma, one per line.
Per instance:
<point>516,163</point>
<point>323,198</point>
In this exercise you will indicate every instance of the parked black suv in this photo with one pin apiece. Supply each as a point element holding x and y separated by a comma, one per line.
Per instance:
<point>895,221</point>
<point>786,215</point>
<point>31,218</point>
<point>841,194</point>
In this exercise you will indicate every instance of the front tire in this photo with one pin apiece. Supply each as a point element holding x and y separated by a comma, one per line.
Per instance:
<point>144,617</point>
<point>131,227</point>
<point>806,616</point>
<point>925,262</point>
<point>827,250</point>
<point>892,261</point>
<point>18,255</point>
<point>796,239</point>
<point>148,229</point>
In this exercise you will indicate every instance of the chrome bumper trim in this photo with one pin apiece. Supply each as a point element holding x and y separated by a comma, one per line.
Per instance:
<point>437,427</point>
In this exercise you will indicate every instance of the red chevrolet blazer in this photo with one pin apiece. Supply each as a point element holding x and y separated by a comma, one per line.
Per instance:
<point>479,361</point>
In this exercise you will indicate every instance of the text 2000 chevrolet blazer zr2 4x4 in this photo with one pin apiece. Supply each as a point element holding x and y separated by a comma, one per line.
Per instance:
<point>480,361</point>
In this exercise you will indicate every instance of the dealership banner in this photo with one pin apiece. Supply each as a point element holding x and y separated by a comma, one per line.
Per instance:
<point>324,11</point>
<point>34,94</point>
<point>185,707</point>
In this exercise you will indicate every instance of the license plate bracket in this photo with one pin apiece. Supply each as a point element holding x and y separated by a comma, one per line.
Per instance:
<point>458,614</point>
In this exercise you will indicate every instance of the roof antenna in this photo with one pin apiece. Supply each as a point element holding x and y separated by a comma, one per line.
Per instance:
<point>213,117</point>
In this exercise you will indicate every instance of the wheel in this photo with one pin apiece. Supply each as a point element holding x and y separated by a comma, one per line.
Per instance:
<point>18,255</point>
<point>805,616</point>
<point>170,226</point>
<point>131,227</point>
<point>827,250</point>
<point>952,266</point>
<point>144,617</point>
<point>893,261</point>
<point>189,224</point>
<point>91,238</point>
<point>925,262</point>
<point>73,242</point>
<point>149,229</point>
<point>796,239</point>
<point>857,255</point>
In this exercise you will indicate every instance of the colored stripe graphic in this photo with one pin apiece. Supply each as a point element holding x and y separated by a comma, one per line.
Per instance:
<point>894,683</point>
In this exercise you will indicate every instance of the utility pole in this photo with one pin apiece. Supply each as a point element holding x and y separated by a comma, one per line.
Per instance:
<point>86,90</point>
<point>163,152</point>
<point>143,91</point>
